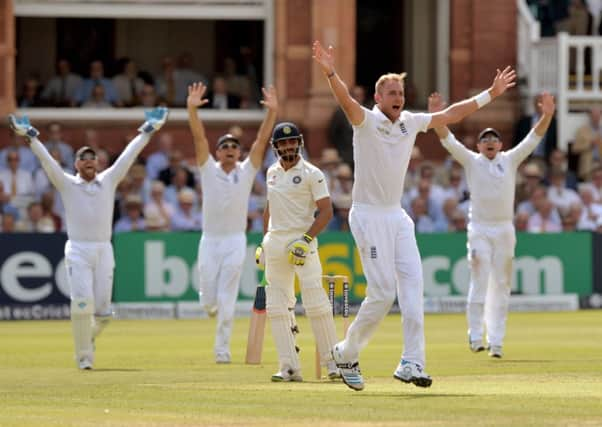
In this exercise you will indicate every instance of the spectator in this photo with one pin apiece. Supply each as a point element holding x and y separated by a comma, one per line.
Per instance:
<point>343,181</point>
<point>526,123</point>
<point>186,218</point>
<point>419,213</point>
<point>529,206</point>
<point>165,83</point>
<point>558,160</point>
<point>238,84</point>
<point>591,211</point>
<point>588,145</point>
<point>55,140</point>
<point>30,96</point>
<point>97,99</point>
<point>140,183</point>
<point>157,211</point>
<point>175,161</point>
<point>159,159</point>
<point>178,183</point>
<point>18,182</point>
<point>329,162</point>
<point>458,221</point>
<point>132,220</point>
<point>89,87</point>
<point>27,160</point>
<point>446,221</point>
<point>531,177</point>
<point>521,220</point>
<point>36,222</point>
<point>183,76</point>
<point>220,97</point>
<point>545,219</point>
<point>148,96</point>
<point>561,196</point>
<point>9,220</point>
<point>48,203</point>
<point>596,184</point>
<point>340,132</point>
<point>128,85</point>
<point>62,89</point>
<point>342,205</point>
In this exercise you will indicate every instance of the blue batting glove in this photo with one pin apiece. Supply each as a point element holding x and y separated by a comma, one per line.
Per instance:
<point>155,119</point>
<point>22,127</point>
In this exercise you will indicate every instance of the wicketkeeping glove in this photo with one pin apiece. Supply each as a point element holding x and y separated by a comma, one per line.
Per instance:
<point>298,250</point>
<point>155,119</point>
<point>260,258</point>
<point>22,127</point>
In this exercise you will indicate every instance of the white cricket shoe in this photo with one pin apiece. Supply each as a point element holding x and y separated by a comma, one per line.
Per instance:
<point>350,371</point>
<point>476,346</point>
<point>496,351</point>
<point>410,372</point>
<point>222,358</point>
<point>333,372</point>
<point>84,364</point>
<point>287,376</point>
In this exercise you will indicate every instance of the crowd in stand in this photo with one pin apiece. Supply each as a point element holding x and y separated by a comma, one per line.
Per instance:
<point>162,192</point>
<point>236,87</point>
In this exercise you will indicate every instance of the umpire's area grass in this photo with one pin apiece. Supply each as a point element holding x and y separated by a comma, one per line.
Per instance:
<point>162,373</point>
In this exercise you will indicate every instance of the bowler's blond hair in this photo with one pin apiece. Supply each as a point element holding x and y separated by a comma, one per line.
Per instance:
<point>389,76</point>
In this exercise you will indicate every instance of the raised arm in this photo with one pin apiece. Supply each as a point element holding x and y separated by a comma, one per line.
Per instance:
<point>325,59</point>
<point>270,101</point>
<point>528,144</point>
<point>195,100</point>
<point>155,119</point>
<point>448,140</point>
<point>22,127</point>
<point>454,113</point>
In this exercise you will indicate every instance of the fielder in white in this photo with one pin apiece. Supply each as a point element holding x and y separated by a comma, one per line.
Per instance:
<point>226,187</point>
<point>296,190</point>
<point>384,234</point>
<point>89,198</point>
<point>491,179</point>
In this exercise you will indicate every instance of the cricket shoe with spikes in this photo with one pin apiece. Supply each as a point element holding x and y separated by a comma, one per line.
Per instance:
<point>287,376</point>
<point>410,372</point>
<point>350,370</point>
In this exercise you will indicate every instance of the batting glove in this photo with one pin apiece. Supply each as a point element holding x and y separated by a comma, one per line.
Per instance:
<point>22,127</point>
<point>260,258</point>
<point>155,119</point>
<point>298,250</point>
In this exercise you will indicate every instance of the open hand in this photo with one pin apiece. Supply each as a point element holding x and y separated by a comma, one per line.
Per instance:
<point>324,58</point>
<point>546,104</point>
<point>270,100</point>
<point>503,80</point>
<point>436,103</point>
<point>195,95</point>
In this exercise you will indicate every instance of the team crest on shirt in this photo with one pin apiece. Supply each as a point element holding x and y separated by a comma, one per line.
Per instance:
<point>296,179</point>
<point>272,180</point>
<point>402,127</point>
<point>500,168</point>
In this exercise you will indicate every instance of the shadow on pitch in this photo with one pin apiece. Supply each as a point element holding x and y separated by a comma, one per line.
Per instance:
<point>414,396</point>
<point>116,370</point>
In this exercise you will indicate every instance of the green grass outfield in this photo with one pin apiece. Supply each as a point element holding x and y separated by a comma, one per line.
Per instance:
<point>162,373</point>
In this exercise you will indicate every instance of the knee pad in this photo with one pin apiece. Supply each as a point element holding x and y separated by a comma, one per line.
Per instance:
<point>276,302</point>
<point>315,302</point>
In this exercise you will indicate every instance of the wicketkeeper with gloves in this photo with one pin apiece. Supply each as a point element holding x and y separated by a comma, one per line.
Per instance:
<point>89,198</point>
<point>296,190</point>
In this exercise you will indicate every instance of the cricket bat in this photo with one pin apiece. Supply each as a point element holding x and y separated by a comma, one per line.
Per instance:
<point>257,326</point>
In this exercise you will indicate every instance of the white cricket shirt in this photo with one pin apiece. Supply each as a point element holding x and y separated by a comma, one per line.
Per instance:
<point>491,182</point>
<point>292,195</point>
<point>381,152</point>
<point>89,205</point>
<point>226,196</point>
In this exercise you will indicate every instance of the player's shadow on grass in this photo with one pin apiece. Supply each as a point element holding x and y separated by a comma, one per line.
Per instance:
<point>403,395</point>
<point>525,361</point>
<point>116,370</point>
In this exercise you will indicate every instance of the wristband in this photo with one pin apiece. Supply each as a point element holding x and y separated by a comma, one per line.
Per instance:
<point>307,238</point>
<point>331,74</point>
<point>482,98</point>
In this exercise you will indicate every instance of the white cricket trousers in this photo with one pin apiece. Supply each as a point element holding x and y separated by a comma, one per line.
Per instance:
<point>385,239</point>
<point>221,258</point>
<point>90,268</point>
<point>490,255</point>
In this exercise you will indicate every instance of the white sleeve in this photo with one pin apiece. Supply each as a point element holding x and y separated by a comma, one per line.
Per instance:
<point>422,121</point>
<point>123,163</point>
<point>55,173</point>
<point>456,149</point>
<point>524,148</point>
<point>319,186</point>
